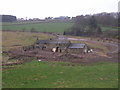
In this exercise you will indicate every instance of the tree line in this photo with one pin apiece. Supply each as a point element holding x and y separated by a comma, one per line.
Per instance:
<point>90,25</point>
<point>8,18</point>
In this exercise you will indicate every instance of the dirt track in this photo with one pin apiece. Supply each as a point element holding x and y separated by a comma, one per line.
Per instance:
<point>112,55</point>
<point>114,46</point>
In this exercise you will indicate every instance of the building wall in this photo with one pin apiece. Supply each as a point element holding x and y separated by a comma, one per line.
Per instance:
<point>62,48</point>
<point>54,45</point>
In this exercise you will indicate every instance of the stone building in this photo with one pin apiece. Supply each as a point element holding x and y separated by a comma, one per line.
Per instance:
<point>77,48</point>
<point>61,45</point>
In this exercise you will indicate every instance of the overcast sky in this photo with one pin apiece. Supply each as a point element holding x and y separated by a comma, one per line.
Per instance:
<point>55,8</point>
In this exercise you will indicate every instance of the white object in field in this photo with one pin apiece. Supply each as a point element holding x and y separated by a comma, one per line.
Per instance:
<point>54,49</point>
<point>85,51</point>
<point>91,50</point>
<point>39,60</point>
<point>1,52</point>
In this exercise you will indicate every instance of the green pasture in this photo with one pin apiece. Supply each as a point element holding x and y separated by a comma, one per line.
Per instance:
<point>61,75</point>
<point>41,26</point>
<point>58,27</point>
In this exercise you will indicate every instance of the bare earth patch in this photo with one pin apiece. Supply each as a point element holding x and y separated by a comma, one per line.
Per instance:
<point>42,55</point>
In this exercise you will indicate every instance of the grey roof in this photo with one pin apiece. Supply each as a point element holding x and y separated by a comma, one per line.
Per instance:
<point>76,45</point>
<point>51,41</point>
<point>59,41</point>
<point>42,41</point>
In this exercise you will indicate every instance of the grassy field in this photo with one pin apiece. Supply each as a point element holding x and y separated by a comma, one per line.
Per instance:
<point>54,74</point>
<point>61,75</point>
<point>41,27</point>
<point>12,39</point>
<point>44,26</point>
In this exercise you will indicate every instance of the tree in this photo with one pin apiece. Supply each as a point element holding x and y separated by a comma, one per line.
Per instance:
<point>92,22</point>
<point>89,25</point>
<point>99,30</point>
<point>119,20</point>
<point>106,19</point>
<point>8,18</point>
<point>33,30</point>
<point>94,29</point>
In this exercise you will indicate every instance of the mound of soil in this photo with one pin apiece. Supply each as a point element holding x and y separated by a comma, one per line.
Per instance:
<point>67,56</point>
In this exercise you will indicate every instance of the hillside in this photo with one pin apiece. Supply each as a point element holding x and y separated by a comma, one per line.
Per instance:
<point>41,26</point>
<point>58,27</point>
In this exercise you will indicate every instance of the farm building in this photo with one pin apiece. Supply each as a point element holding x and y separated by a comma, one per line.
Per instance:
<point>51,43</point>
<point>77,48</point>
<point>61,45</point>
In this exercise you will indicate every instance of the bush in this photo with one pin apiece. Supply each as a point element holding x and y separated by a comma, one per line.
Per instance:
<point>33,30</point>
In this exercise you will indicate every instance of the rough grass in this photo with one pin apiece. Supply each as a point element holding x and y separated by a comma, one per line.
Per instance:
<point>10,39</point>
<point>61,75</point>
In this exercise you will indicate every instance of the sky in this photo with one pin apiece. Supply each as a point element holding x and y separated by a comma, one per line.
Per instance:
<point>55,8</point>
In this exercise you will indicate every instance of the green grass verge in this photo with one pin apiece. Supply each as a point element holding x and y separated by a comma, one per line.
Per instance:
<point>61,75</point>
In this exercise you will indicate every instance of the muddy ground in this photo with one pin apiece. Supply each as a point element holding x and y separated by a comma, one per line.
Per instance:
<point>44,55</point>
<point>97,55</point>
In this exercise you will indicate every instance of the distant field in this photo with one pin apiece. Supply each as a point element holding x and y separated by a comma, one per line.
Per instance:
<point>61,75</point>
<point>39,26</point>
<point>44,26</point>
